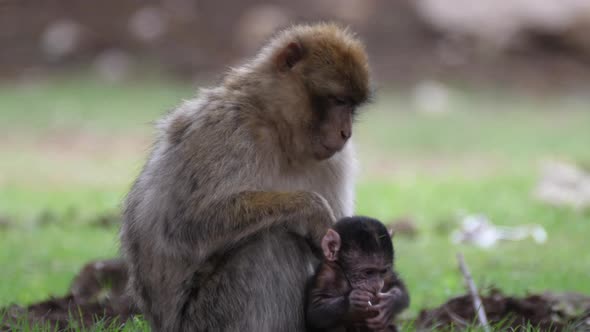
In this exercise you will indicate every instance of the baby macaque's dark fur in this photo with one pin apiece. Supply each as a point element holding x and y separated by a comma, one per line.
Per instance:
<point>329,301</point>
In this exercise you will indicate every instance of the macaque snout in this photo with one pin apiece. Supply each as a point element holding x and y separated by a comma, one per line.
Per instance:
<point>337,129</point>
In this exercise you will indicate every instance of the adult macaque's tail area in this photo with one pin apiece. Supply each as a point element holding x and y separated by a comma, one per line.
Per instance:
<point>96,296</point>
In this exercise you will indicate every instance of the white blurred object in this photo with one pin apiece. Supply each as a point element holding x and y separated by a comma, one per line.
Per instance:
<point>564,184</point>
<point>431,97</point>
<point>113,65</point>
<point>478,230</point>
<point>147,24</point>
<point>61,38</point>
<point>498,22</point>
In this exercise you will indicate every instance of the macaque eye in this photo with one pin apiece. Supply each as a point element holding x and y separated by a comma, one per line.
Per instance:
<point>371,273</point>
<point>339,101</point>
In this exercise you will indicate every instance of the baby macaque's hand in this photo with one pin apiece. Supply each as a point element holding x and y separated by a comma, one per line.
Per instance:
<point>360,303</point>
<point>388,303</point>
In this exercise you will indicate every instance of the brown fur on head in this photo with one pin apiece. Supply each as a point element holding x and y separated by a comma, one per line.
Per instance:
<point>309,79</point>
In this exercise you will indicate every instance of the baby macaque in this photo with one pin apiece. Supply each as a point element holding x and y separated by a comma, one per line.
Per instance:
<point>355,287</point>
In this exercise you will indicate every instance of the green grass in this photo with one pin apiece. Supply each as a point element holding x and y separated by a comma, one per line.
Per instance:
<point>70,147</point>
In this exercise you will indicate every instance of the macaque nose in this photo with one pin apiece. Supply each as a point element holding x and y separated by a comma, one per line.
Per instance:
<point>345,133</point>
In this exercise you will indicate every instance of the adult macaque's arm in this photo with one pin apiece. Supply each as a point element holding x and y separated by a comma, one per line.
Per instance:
<point>226,222</point>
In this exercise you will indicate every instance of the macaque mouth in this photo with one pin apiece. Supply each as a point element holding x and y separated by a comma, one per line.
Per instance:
<point>332,149</point>
<point>324,149</point>
<point>321,152</point>
<point>328,151</point>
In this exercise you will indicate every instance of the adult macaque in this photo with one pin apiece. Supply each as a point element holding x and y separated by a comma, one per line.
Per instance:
<point>221,226</point>
<point>355,287</point>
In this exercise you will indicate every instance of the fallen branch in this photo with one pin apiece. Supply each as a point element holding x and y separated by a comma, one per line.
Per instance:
<point>477,304</point>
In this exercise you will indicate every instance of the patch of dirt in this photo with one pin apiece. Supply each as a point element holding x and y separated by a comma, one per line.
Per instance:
<point>106,220</point>
<point>71,145</point>
<point>70,158</point>
<point>96,294</point>
<point>5,223</point>
<point>549,312</point>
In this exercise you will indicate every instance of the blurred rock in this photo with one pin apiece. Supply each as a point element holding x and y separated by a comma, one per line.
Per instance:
<point>404,226</point>
<point>431,97</point>
<point>5,223</point>
<point>100,280</point>
<point>499,24</point>
<point>46,217</point>
<point>113,65</point>
<point>61,38</point>
<point>564,184</point>
<point>147,24</point>
<point>258,23</point>
<point>106,220</point>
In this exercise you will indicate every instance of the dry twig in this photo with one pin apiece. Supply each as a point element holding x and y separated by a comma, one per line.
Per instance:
<point>477,304</point>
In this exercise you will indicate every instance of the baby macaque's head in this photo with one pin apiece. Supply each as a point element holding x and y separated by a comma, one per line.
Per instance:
<point>362,247</point>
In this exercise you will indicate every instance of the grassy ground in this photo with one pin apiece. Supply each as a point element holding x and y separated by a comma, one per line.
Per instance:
<point>69,149</point>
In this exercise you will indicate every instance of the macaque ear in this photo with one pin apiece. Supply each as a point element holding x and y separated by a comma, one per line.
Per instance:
<point>331,245</point>
<point>391,232</point>
<point>290,56</point>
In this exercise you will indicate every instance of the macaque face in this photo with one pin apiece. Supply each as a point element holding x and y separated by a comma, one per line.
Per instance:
<point>333,124</point>
<point>335,79</point>
<point>366,272</point>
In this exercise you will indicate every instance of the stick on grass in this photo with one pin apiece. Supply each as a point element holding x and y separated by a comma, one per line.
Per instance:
<point>477,304</point>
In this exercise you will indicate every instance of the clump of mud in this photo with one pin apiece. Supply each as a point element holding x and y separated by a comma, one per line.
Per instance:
<point>97,294</point>
<point>548,312</point>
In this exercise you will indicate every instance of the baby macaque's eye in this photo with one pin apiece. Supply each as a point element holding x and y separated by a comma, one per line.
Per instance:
<point>371,273</point>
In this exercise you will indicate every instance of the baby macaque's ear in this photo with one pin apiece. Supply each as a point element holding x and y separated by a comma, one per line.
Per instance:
<point>331,245</point>
<point>391,232</point>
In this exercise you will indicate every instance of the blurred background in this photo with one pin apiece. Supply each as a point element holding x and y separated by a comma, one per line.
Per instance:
<point>478,140</point>
<point>522,43</point>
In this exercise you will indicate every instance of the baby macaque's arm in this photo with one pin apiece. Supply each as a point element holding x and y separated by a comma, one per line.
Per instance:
<point>397,289</point>
<point>327,302</point>
<point>326,312</point>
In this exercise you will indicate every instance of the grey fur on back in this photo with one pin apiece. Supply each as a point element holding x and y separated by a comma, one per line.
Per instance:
<point>205,152</point>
